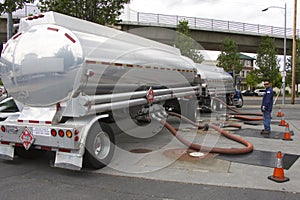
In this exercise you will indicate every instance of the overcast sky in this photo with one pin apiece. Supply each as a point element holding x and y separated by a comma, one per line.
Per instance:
<point>229,10</point>
<point>232,10</point>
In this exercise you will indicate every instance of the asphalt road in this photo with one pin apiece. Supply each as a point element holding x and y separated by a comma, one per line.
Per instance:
<point>36,179</point>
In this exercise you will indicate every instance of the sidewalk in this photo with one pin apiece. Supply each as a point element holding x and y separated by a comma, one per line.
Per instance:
<point>210,170</point>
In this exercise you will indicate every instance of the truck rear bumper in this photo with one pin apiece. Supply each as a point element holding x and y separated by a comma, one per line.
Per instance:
<point>64,160</point>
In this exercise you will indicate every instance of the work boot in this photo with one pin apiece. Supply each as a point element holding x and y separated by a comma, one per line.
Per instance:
<point>264,132</point>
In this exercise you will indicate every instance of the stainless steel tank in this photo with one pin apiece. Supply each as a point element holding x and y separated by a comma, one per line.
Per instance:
<point>55,57</point>
<point>216,79</point>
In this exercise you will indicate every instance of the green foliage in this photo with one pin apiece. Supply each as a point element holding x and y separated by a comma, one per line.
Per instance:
<point>13,5</point>
<point>252,78</point>
<point>186,44</point>
<point>268,62</point>
<point>229,58</point>
<point>98,11</point>
<point>183,27</point>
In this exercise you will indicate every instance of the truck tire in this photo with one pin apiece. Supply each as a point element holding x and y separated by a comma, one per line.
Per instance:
<point>99,146</point>
<point>242,103</point>
<point>30,153</point>
<point>213,105</point>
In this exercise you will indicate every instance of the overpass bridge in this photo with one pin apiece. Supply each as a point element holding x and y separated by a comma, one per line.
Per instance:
<point>209,33</point>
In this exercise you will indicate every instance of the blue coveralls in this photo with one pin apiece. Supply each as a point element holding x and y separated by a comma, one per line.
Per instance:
<point>267,102</point>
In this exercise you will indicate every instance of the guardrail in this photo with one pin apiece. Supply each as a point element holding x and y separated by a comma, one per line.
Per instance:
<point>210,24</point>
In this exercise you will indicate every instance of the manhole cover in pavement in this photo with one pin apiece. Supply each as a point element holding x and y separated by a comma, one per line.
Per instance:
<point>187,154</point>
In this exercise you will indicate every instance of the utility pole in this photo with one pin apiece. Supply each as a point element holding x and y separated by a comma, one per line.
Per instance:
<point>284,57</point>
<point>294,54</point>
<point>284,50</point>
<point>9,25</point>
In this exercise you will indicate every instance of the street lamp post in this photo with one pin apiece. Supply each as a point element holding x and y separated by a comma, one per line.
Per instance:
<point>284,50</point>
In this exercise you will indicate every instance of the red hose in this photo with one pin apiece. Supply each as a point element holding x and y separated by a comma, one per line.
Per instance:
<point>186,119</point>
<point>236,111</point>
<point>197,147</point>
<point>248,118</point>
<point>238,126</point>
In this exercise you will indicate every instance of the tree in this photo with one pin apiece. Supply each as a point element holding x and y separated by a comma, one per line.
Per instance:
<point>268,62</point>
<point>188,47</point>
<point>98,11</point>
<point>229,58</point>
<point>9,6</point>
<point>252,79</point>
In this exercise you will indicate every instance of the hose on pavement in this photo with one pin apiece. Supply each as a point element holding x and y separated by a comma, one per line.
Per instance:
<point>247,149</point>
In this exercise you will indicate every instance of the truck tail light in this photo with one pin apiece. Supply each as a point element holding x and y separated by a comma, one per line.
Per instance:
<point>61,133</point>
<point>53,132</point>
<point>76,138</point>
<point>69,134</point>
<point>3,129</point>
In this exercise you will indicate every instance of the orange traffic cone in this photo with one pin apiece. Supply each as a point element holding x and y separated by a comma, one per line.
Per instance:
<point>279,113</point>
<point>287,134</point>
<point>278,174</point>
<point>282,121</point>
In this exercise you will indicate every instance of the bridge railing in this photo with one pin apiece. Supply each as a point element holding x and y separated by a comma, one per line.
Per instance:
<point>213,24</point>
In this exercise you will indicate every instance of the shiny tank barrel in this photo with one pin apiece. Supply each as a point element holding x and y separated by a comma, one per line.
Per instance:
<point>216,79</point>
<point>54,58</point>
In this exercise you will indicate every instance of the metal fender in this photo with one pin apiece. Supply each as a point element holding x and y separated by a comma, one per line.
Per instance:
<point>86,123</point>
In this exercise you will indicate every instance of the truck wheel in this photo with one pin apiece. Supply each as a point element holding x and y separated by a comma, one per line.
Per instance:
<point>213,105</point>
<point>241,103</point>
<point>99,146</point>
<point>30,153</point>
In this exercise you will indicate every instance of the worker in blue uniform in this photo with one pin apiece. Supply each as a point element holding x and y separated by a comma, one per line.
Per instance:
<point>266,107</point>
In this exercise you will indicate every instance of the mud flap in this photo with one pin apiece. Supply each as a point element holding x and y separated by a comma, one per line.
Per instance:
<point>68,160</point>
<point>7,152</point>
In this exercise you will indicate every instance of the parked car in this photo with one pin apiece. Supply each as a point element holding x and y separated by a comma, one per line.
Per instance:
<point>249,93</point>
<point>8,107</point>
<point>260,92</point>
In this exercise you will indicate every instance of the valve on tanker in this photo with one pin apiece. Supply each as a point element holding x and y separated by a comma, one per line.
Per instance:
<point>197,79</point>
<point>89,73</point>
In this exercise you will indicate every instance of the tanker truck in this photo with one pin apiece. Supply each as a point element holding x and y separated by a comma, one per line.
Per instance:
<point>77,84</point>
<point>75,81</point>
<point>217,89</point>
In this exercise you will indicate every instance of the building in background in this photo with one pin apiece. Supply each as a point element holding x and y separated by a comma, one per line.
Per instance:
<point>29,9</point>
<point>248,66</point>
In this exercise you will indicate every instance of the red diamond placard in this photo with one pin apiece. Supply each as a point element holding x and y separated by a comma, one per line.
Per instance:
<point>27,138</point>
<point>150,95</point>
